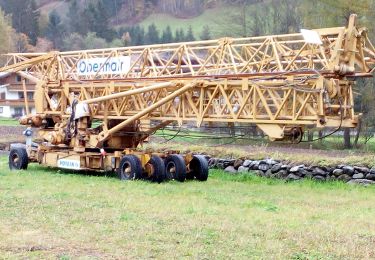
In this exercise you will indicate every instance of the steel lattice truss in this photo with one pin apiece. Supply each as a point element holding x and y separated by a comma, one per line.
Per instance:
<point>278,82</point>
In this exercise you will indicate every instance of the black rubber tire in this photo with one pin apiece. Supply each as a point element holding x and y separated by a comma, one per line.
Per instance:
<point>18,159</point>
<point>199,168</point>
<point>178,163</point>
<point>158,174</point>
<point>134,163</point>
<point>190,175</point>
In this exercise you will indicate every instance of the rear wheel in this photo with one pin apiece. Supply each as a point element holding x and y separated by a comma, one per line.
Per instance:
<point>199,168</point>
<point>155,170</point>
<point>130,168</point>
<point>175,167</point>
<point>18,159</point>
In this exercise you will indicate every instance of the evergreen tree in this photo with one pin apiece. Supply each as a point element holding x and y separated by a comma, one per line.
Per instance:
<point>55,29</point>
<point>206,33</point>
<point>25,17</point>
<point>88,19</point>
<point>177,37</point>
<point>190,35</point>
<point>6,35</point>
<point>136,33</point>
<point>180,35</point>
<point>101,22</point>
<point>152,36</point>
<point>167,35</point>
<point>74,18</point>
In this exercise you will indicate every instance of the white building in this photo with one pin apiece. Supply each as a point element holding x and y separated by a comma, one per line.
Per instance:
<point>12,95</point>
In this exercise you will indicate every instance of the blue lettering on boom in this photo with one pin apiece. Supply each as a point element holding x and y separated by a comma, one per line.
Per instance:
<point>99,66</point>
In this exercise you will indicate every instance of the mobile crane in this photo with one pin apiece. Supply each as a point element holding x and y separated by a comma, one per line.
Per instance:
<point>95,107</point>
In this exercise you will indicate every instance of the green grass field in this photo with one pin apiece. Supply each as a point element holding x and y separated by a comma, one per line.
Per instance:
<point>49,214</point>
<point>214,18</point>
<point>8,122</point>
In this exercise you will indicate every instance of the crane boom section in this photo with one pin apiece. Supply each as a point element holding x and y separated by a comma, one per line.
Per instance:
<point>342,51</point>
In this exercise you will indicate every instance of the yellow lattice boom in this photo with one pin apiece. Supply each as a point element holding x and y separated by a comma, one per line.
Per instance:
<point>282,83</point>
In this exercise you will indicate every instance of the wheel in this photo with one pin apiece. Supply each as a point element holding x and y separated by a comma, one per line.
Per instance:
<point>175,167</point>
<point>155,170</point>
<point>130,168</point>
<point>18,159</point>
<point>199,168</point>
<point>189,175</point>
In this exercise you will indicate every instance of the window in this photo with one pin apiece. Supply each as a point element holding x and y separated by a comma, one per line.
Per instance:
<point>18,111</point>
<point>30,95</point>
<point>21,95</point>
<point>2,95</point>
<point>1,110</point>
<point>18,78</point>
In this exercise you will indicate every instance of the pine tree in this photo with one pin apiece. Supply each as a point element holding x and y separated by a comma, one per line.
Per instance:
<point>180,35</point>
<point>74,18</point>
<point>55,29</point>
<point>152,35</point>
<point>101,22</point>
<point>167,35</point>
<point>177,37</point>
<point>25,16</point>
<point>206,33</point>
<point>190,35</point>
<point>88,19</point>
<point>137,34</point>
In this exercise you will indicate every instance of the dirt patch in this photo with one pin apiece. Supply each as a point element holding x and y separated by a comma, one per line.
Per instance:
<point>11,134</point>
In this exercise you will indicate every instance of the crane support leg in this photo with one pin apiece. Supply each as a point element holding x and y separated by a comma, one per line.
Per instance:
<point>103,136</point>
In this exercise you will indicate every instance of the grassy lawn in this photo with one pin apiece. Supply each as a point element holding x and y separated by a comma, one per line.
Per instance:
<point>8,122</point>
<point>210,17</point>
<point>51,214</point>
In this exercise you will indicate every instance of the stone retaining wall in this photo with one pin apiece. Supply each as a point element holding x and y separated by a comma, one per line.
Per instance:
<point>275,169</point>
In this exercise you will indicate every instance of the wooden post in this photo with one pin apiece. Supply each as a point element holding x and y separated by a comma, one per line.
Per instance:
<point>25,97</point>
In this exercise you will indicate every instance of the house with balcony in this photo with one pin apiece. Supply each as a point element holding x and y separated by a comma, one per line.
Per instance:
<point>12,95</point>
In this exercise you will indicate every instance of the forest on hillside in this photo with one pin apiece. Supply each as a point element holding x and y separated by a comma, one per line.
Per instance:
<point>26,26</point>
<point>83,24</point>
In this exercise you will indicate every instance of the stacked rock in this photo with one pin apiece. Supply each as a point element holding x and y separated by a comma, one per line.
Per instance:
<point>276,169</point>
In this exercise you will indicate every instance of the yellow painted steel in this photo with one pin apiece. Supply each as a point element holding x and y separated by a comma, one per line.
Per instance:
<point>280,82</point>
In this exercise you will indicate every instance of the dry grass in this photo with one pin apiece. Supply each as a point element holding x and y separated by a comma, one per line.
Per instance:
<point>259,152</point>
<point>49,214</point>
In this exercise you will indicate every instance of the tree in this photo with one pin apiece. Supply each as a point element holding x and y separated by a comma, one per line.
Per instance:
<point>190,35</point>
<point>206,33</point>
<point>43,45</point>
<point>92,41</point>
<point>126,39</point>
<point>152,36</point>
<point>101,22</point>
<point>74,17</point>
<point>179,35</point>
<point>327,13</point>
<point>74,42</point>
<point>21,43</point>
<point>138,37</point>
<point>55,29</point>
<point>167,35</point>
<point>6,34</point>
<point>25,17</point>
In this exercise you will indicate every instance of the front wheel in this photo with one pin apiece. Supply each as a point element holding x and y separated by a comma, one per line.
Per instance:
<point>18,159</point>
<point>130,168</point>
